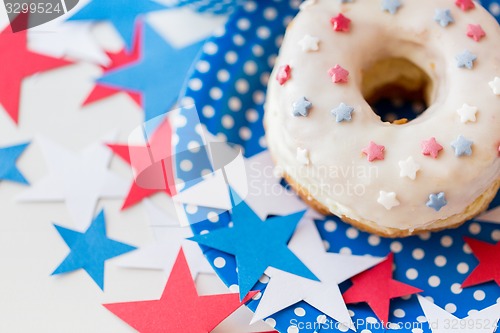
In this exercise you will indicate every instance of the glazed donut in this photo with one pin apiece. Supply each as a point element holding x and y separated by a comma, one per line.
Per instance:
<point>393,179</point>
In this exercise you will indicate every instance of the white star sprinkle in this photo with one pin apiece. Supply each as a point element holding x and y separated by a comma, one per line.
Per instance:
<point>409,168</point>
<point>467,113</point>
<point>495,85</point>
<point>388,200</point>
<point>309,43</point>
<point>303,156</point>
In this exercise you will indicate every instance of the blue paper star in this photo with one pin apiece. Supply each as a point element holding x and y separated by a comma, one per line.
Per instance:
<point>8,168</point>
<point>443,17</point>
<point>437,201</point>
<point>343,112</point>
<point>462,146</point>
<point>159,75</point>
<point>391,5</point>
<point>257,245</point>
<point>466,59</point>
<point>122,15</point>
<point>89,250</point>
<point>301,107</point>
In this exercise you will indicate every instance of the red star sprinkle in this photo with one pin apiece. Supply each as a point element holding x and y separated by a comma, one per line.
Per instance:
<point>180,308</point>
<point>489,265</point>
<point>465,5</point>
<point>338,74</point>
<point>431,147</point>
<point>284,74</point>
<point>340,23</point>
<point>377,287</point>
<point>374,151</point>
<point>475,32</point>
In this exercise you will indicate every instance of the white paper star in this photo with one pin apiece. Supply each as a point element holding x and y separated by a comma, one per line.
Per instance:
<point>495,85</point>
<point>78,179</point>
<point>467,113</point>
<point>388,200</point>
<point>303,156</point>
<point>441,321</point>
<point>409,168</point>
<point>309,43</point>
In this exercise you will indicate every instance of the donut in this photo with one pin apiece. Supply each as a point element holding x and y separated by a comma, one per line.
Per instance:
<point>397,178</point>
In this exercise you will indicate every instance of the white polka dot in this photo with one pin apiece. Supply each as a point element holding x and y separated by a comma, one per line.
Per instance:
<point>210,48</point>
<point>425,235</point>
<point>263,142</point>
<point>417,330</point>
<point>219,262</point>
<point>179,184</point>
<point>412,273</point>
<point>234,104</point>
<point>421,319</point>
<point>179,121</point>
<point>399,313</point>
<point>242,86</point>
<point>434,281</point>
<point>264,78</point>
<point>474,228</point>
<point>440,261</point>
<point>245,133</point>
<point>175,139</point>
<point>264,279</point>
<point>203,66</point>
<point>450,307</point>
<point>252,115</point>
<point>257,296</point>
<point>208,111</point>
<point>227,121</point>
<point>466,248</point>
<point>250,6</point>
<point>191,209</point>
<point>194,146</point>
<point>215,93</point>
<point>345,250</point>
<point>396,247</point>
<point>472,312</point>
<point>446,241</point>
<point>495,8</point>
<point>352,233</point>
<point>238,40</point>
<point>278,41</point>
<point>321,319</point>
<point>257,50</point>
<point>186,165</point>
<point>456,288</point>
<point>351,313</point>
<point>292,329</point>
<point>270,13</point>
<point>299,312</point>
<point>195,84</point>
<point>394,326</point>
<point>373,240</point>
<point>271,60</point>
<point>258,97</point>
<point>330,226</point>
<point>250,67</point>
<point>243,24</point>
<point>462,268</point>
<point>366,331</point>
<point>479,295</point>
<point>213,217</point>
<point>271,322</point>
<point>418,254</point>
<point>371,320</point>
<point>263,32</point>
<point>326,245</point>
<point>223,75</point>
<point>234,288</point>
<point>231,57</point>
<point>342,328</point>
<point>204,232</point>
<point>495,235</point>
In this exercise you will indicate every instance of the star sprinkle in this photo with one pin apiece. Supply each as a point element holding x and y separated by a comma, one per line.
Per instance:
<point>303,156</point>
<point>309,43</point>
<point>340,23</point>
<point>475,31</point>
<point>8,169</point>
<point>437,201</point>
<point>374,152</point>
<point>462,146</point>
<point>301,107</point>
<point>180,308</point>
<point>489,266</point>
<point>431,147</point>
<point>391,6</point>
<point>409,168</point>
<point>467,113</point>
<point>388,200</point>
<point>465,59</point>
<point>342,113</point>
<point>253,258</point>
<point>90,250</point>
<point>495,85</point>
<point>465,5</point>
<point>443,17</point>
<point>284,73</point>
<point>338,74</point>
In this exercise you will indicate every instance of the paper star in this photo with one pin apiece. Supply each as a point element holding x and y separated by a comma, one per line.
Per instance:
<point>301,107</point>
<point>338,74</point>
<point>377,287</point>
<point>284,73</point>
<point>439,319</point>
<point>488,268</point>
<point>342,113</point>
<point>495,85</point>
<point>90,250</point>
<point>77,179</point>
<point>388,199</point>
<point>309,43</point>
<point>180,308</point>
<point>374,152</point>
<point>467,113</point>
<point>391,6</point>
<point>443,17</point>
<point>303,156</point>
<point>340,23</point>
<point>122,17</point>
<point>159,91</point>
<point>437,201</point>
<point>465,59</point>
<point>409,168</point>
<point>465,5</point>
<point>253,258</point>
<point>475,31</point>
<point>8,169</point>
<point>431,147</point>
<point>462,146</point>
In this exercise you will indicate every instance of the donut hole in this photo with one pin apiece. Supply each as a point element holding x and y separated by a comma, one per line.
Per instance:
<point>396,89</point>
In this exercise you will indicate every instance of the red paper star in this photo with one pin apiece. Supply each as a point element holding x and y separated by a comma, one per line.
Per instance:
<point>431,147</point>
<point>340,23</point>
<point>374,152</point>
<point>475,31</point>
<point>489,264</point>
<point>377,287</point>
<point>284,73</point>
<point>338,74</point>
<point>465,5</point>
<point>180,308</point>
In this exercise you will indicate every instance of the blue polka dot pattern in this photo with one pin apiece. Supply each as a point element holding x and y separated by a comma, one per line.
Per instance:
<point>217,7</point>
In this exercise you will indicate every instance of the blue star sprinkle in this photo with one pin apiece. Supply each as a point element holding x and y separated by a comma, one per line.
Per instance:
<point>462,146</point>
<point>443,17</point>
<point>437,201</point>
<point>89,250</point>
<point>122,15</point>
<point>8,168</point>
<point>465,59</point>
<point>343,112</point>
<point>257,245</point>
<point>301,107</point>
<point>391,6</point>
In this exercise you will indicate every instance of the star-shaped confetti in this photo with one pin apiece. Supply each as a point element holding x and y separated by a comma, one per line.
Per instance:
<point>475,31</point>
<point>465,59</point>
<point>377,287</point>
<point>388,199</point>
<point>338,74</point>
<point>122,17</point>
<point>431,147</point>
<point>180,308</point>
<point>443,17</point>
<point>89,250</point>
<point>409,168</point>
<point>8,158</point>
<point>340,23</point>
<point>253,258</point>
<point>391,6</point>
<point>489,266</point>
<point>301,107</point>
<point>303,156</point>
<point>342,113</point>
<point>467,113</point>
<point>495,85</point>
<point>374,152</point>
<point>284,74</point>
<point>437,201</point>
<point>462,146</point>
<point>465,5</point>
<point>309,43</point>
